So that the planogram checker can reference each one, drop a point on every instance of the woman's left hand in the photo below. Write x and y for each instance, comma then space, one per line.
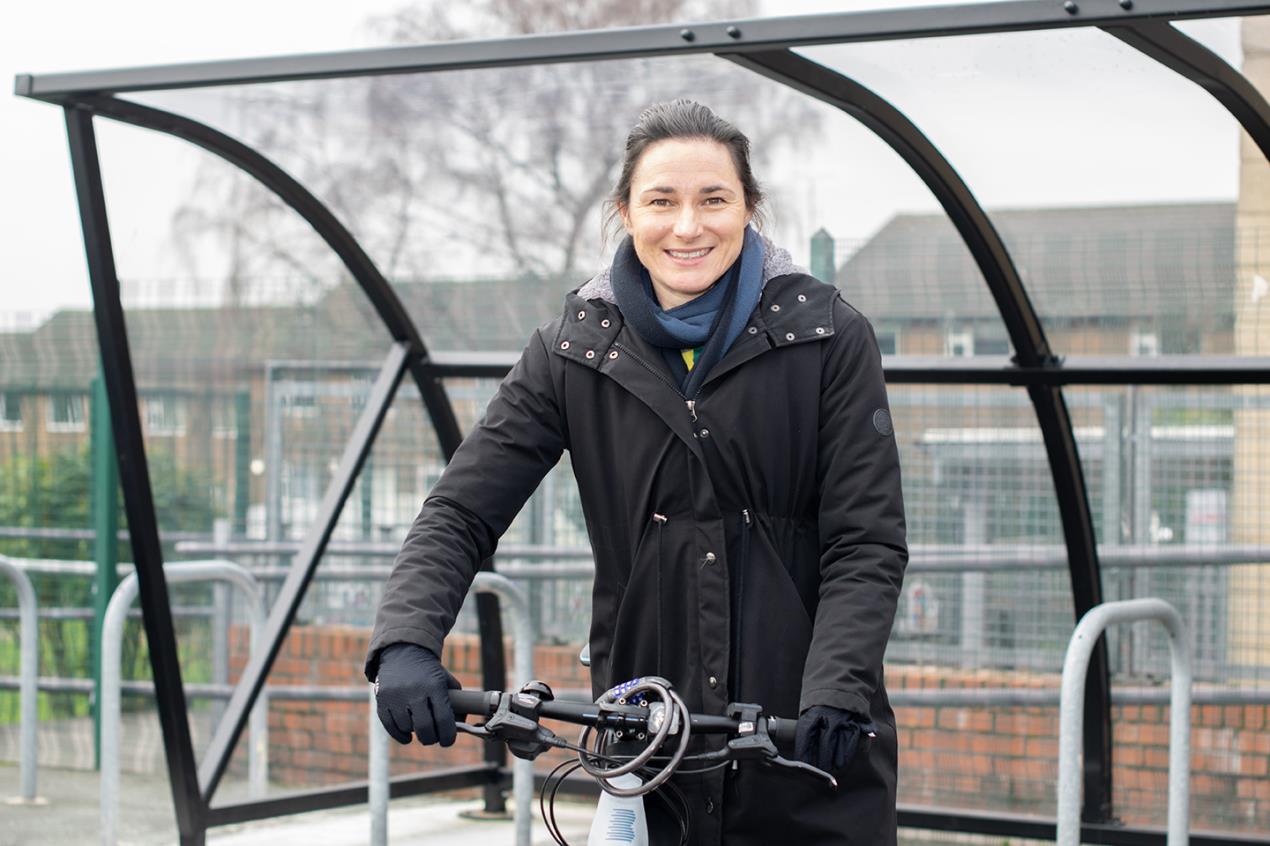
828, 738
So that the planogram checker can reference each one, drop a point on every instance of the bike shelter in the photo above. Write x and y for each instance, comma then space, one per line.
780, 50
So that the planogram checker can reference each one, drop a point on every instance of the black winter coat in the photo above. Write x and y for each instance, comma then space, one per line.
749, 542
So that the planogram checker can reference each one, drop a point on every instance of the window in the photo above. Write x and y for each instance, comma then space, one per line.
888, 341
960, 344
991, 346
1144, 343
224, 418
10, 411
66, 413
164, 416
299, 405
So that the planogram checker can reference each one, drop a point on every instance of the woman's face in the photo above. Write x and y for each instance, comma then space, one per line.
687, 215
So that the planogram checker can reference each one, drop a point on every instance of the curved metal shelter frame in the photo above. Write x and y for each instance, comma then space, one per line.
764, 46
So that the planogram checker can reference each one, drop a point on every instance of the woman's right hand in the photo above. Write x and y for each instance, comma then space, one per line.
412, 694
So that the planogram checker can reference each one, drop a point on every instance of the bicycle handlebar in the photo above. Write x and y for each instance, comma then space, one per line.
481, 703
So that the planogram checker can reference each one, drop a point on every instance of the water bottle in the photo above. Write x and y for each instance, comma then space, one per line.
619, 820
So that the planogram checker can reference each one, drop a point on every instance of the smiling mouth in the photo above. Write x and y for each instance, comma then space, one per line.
688, 255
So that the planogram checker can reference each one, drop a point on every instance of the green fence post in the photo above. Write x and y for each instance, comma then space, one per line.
822, 256
242, 461
105, 506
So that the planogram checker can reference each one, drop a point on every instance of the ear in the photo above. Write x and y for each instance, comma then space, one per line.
624, 212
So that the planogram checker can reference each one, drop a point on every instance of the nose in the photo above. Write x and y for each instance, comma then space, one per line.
688, 223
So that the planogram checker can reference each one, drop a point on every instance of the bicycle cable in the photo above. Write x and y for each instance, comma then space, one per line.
674, 713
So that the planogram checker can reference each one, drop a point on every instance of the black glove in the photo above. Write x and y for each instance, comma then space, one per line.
827, 737
412, 693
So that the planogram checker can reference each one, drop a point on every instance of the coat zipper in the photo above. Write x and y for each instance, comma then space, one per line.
691, 403
737, 628
649, 367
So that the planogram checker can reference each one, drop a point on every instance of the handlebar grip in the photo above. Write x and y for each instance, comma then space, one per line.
471, 702
782, 730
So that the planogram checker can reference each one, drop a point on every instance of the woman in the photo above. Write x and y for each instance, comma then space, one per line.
728, 426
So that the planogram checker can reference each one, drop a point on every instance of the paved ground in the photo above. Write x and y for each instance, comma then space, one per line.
146, 819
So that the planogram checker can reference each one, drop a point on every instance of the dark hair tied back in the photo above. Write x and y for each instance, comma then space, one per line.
683, 118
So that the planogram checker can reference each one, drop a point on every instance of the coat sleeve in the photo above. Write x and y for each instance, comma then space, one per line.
863, 551
496, 468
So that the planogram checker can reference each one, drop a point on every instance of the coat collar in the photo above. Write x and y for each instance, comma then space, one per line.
795, 308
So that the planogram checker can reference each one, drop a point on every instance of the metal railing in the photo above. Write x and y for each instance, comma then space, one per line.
112, 673
515, 605
1072, 718
28, 667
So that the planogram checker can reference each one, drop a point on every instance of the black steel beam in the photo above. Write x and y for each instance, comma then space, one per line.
1036, 828
301, 572
1183, 54
473, 365
1032, 352
967, 216
980, 370
134, 477
493, 677
1085, 572
343, 795
633, 42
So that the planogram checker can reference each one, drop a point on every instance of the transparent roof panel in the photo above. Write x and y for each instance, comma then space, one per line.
481, 193
1119, 187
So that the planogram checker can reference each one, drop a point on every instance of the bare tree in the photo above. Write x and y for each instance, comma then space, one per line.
480, 172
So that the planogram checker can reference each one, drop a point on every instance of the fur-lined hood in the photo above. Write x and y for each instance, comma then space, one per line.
776, 262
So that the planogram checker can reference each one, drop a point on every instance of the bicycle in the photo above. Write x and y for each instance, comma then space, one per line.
645, 710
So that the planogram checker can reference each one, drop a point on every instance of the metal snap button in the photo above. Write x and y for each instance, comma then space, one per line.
789, 336
564, 345
712, 681
710, 558
709, 805
705, 433
820, 330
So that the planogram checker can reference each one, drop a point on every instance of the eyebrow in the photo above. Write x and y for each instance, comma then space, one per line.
709, 189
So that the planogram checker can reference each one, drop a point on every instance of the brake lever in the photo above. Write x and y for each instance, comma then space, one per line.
802, 768
476, 731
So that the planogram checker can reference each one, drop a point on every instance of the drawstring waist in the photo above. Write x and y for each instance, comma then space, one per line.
739, 574
660, 520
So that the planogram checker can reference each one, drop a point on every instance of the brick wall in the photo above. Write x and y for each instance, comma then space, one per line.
990, 758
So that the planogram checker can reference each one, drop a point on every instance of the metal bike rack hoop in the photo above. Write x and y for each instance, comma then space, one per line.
516, 606
112, 677
1071, 716
28, 668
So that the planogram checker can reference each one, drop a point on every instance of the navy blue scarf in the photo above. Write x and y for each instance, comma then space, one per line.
712, 321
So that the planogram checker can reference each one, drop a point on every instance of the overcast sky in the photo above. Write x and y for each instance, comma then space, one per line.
1066, 119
